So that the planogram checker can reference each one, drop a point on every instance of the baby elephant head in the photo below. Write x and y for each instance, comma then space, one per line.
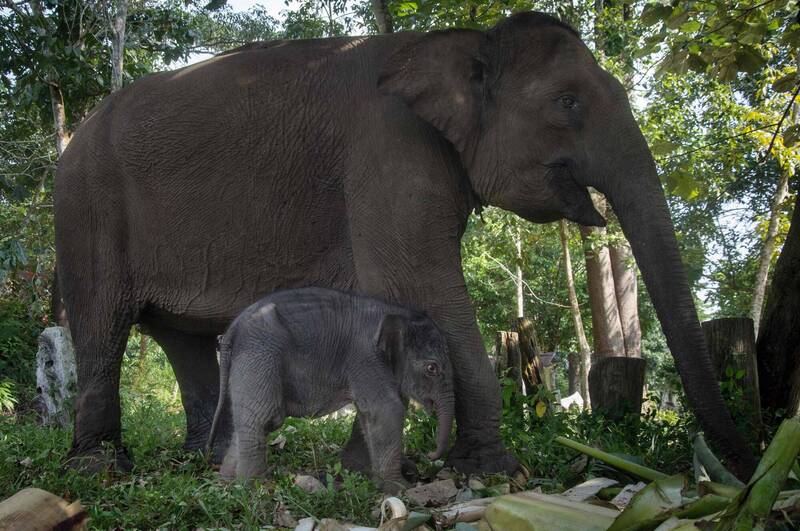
418, 353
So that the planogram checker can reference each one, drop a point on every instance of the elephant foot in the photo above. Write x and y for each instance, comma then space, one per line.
197, 433
355, 458
474, 456
393, 486
99, 460
409, 470
198, 442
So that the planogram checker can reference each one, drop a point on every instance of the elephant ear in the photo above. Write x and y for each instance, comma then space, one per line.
391, 336
440, 77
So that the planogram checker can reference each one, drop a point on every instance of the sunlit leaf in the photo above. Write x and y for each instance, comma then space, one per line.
213, 5
678, 18
691, 26
791, 135
749, 60
786, 83
655, 13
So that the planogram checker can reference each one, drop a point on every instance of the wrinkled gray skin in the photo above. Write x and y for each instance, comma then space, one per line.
308, 352
349, 163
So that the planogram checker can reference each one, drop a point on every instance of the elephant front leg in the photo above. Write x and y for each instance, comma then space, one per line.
382, 426
478, 447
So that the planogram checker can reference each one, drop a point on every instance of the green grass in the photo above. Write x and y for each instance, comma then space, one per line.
174, 489
170, 488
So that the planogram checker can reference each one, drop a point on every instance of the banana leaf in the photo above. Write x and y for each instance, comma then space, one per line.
541, 512
755, 501
617, 462
657, 498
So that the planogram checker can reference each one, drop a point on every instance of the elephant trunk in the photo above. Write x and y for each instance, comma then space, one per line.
445, 411
638, 200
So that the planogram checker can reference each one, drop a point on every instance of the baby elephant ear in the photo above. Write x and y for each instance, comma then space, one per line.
440, 78
391, 333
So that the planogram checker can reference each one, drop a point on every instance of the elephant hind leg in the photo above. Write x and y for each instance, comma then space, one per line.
194, 360
256, 399
100, 323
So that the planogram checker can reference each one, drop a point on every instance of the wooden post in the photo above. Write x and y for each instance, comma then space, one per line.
616, 384
731, 343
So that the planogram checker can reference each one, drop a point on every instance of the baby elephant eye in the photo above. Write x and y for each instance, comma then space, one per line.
432, 369
568, 102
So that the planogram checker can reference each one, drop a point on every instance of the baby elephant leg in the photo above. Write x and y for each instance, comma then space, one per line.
257, 405
228, 467
382, 425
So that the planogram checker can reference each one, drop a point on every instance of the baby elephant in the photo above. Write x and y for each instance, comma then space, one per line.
309, 351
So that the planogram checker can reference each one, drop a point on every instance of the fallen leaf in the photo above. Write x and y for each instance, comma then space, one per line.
433, 494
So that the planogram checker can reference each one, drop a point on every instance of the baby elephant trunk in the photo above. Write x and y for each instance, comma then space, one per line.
445, 411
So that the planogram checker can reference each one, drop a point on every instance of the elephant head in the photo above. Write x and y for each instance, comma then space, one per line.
418, 355
536, 121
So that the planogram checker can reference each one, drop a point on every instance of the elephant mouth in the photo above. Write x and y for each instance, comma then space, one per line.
564, 197
576, 201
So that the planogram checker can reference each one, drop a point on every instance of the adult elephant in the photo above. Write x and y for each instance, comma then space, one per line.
349, 163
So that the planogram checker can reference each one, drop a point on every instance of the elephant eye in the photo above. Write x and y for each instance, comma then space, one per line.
432, 369
568, 102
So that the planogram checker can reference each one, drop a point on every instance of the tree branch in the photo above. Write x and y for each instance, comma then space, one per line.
780, 123
15, 8
524, 283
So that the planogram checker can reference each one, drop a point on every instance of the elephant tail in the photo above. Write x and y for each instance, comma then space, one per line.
224, 347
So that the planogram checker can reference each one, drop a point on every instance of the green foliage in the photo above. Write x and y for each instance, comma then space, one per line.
658, 439
490, 259
170, 488
19, 330
7, 398
173, 489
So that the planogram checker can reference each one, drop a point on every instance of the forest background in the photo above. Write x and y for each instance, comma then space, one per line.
713, 85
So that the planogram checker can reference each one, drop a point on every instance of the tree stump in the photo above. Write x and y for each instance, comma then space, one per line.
731, 344
56, 376
509, 360
616, 385
530, 354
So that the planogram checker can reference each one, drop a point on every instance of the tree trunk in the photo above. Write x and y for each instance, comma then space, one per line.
142, 362
56, 377
606, 324
530, 354
616, 385
58, 312
585, 353
768, 249
779, 341
509, 360
623, 269
382, 17
62, 135
118, 43
731, 344
573, 372
518, 281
